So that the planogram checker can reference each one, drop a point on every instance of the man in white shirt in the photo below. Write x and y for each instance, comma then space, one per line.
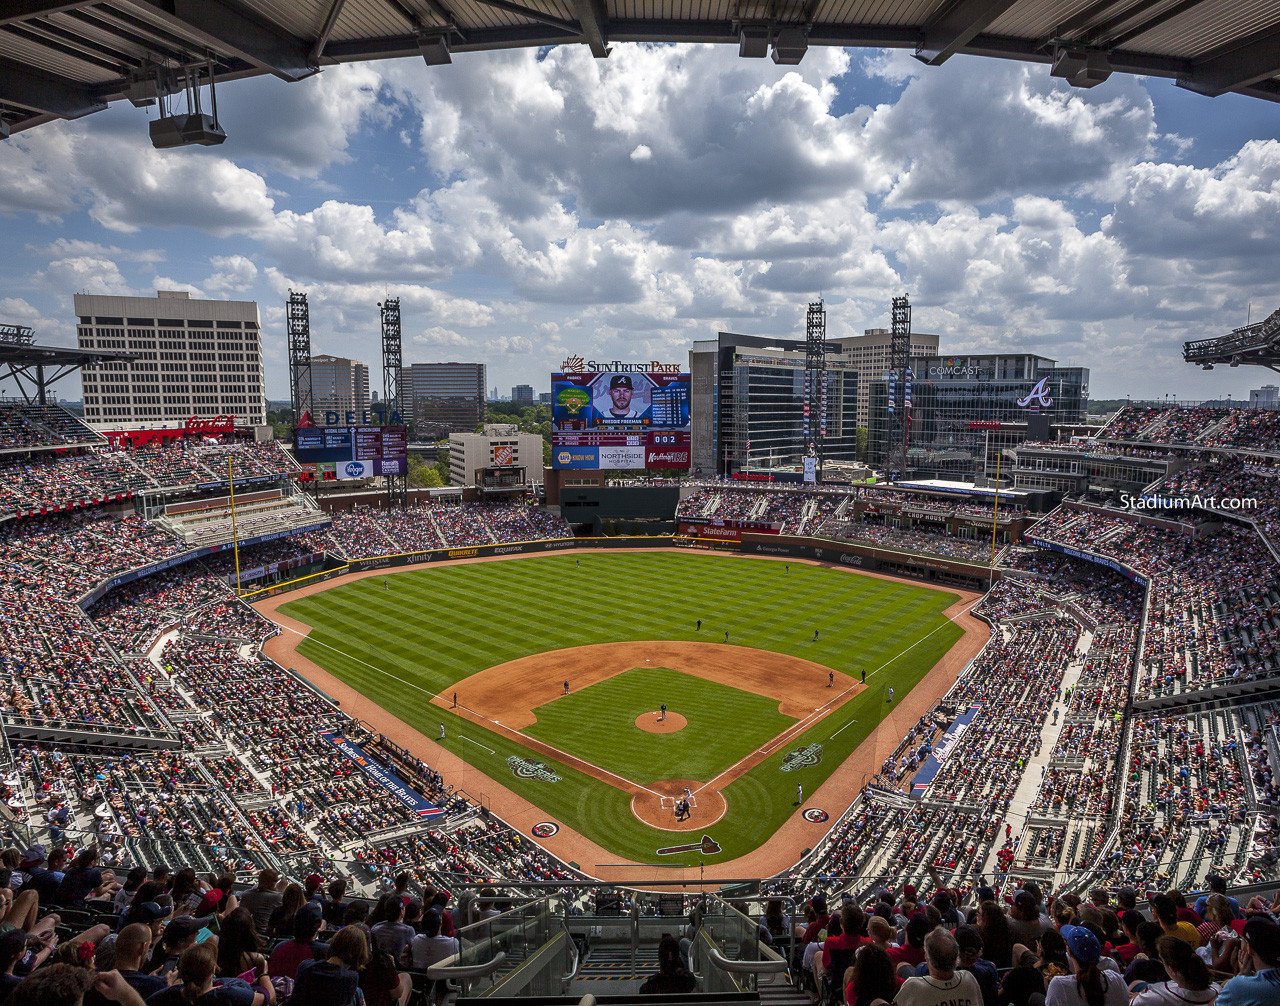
943, 985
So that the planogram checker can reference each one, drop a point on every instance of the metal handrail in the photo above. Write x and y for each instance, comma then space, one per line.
468, 971
745, 967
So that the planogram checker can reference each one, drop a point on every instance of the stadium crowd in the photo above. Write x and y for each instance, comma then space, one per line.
366, 531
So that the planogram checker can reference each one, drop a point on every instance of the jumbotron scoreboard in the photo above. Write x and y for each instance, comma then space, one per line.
625, 416
352, 452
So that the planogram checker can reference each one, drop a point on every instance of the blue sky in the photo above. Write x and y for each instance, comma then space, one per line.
527, 205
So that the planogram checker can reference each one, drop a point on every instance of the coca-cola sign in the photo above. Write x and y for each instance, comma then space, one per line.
209, 427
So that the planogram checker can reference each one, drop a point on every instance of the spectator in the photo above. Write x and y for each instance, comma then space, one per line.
392, 934
335, 980
240, 948
943, 985
912, 952
672, 976
1022, 981
1089, 985
970, 943
303, 946
1146, 966
1262, 988
132, 946
201, 986
1189, 980
280, 923
263, 899
1166, 912
334, 907
997, 938
1216, 885
871, 978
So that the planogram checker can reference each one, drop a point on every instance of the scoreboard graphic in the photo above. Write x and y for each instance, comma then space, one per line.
615, 419
352, 452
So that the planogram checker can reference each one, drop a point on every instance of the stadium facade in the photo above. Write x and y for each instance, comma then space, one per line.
966, 409
748, 404
869, 353
198, 358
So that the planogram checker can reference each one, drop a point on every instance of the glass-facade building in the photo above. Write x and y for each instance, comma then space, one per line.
966, 409
748, 405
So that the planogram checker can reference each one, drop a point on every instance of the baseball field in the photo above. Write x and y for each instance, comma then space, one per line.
764, 701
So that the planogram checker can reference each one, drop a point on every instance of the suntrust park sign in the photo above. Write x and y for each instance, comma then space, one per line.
577, 365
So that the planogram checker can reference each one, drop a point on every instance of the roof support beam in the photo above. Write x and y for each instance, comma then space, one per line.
534, 15
216, 25
25, 10
1155, 21
330, 19
591, 16
955, 26
1251, 61
39, 91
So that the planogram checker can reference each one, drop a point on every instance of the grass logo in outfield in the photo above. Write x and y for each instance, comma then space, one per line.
708, 847
526, 769
803, 757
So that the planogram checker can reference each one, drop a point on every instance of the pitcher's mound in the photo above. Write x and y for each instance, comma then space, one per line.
650, 724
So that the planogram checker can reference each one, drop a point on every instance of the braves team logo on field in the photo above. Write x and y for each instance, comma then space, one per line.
802, 758
815, 815
544, 829
1038, 394
526, 769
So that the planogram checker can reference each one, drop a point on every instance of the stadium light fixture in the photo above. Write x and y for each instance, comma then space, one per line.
790, 45
1080, 67
753, 41
193, 127
434, 47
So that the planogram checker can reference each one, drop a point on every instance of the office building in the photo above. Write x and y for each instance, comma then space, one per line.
198, 358
748, 404
501, 445
445, 397
1266, 397
338, 385
522, 394
967, 409
869, 354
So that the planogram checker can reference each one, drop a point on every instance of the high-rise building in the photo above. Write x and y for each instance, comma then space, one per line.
747, 405
522, 394
869, 354
338, 385
448, 397
1266, 397
195, 358
966, 410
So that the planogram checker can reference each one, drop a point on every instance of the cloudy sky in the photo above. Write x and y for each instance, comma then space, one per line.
526, 205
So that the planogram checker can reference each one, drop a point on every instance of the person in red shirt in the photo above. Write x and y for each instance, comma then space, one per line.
819, 906
912, 952
288, 955
853, 927
1129, 922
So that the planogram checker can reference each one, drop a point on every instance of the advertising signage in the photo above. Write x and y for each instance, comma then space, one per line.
352, 452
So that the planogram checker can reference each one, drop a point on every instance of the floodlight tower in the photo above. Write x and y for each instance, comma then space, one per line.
299, 327
900, 406
815, 383
392, 362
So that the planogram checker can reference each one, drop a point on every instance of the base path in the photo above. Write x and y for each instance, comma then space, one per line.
779, 853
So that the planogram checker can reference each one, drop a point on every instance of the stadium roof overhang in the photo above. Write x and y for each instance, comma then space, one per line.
34, 368
62, 59
1257, 345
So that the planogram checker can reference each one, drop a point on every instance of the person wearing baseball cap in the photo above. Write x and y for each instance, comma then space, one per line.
1262, 948
1090, 985
621, 391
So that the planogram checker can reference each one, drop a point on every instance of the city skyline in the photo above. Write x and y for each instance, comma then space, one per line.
527, 205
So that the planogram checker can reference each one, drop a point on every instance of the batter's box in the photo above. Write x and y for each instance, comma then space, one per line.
669, 802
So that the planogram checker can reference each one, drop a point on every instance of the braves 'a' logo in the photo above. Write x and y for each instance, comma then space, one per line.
1039, 394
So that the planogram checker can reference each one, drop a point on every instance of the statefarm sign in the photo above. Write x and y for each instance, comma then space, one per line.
197, 427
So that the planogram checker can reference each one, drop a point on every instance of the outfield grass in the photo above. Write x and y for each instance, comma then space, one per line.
443, 623
598, 724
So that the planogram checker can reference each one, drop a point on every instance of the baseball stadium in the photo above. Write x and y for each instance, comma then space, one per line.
990, 713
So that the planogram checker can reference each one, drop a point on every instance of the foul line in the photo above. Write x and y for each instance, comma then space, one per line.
574, 760
477, 743
812, 719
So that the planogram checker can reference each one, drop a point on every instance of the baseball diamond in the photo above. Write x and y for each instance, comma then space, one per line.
772, 708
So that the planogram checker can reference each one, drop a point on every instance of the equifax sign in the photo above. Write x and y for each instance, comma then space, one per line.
209, 427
